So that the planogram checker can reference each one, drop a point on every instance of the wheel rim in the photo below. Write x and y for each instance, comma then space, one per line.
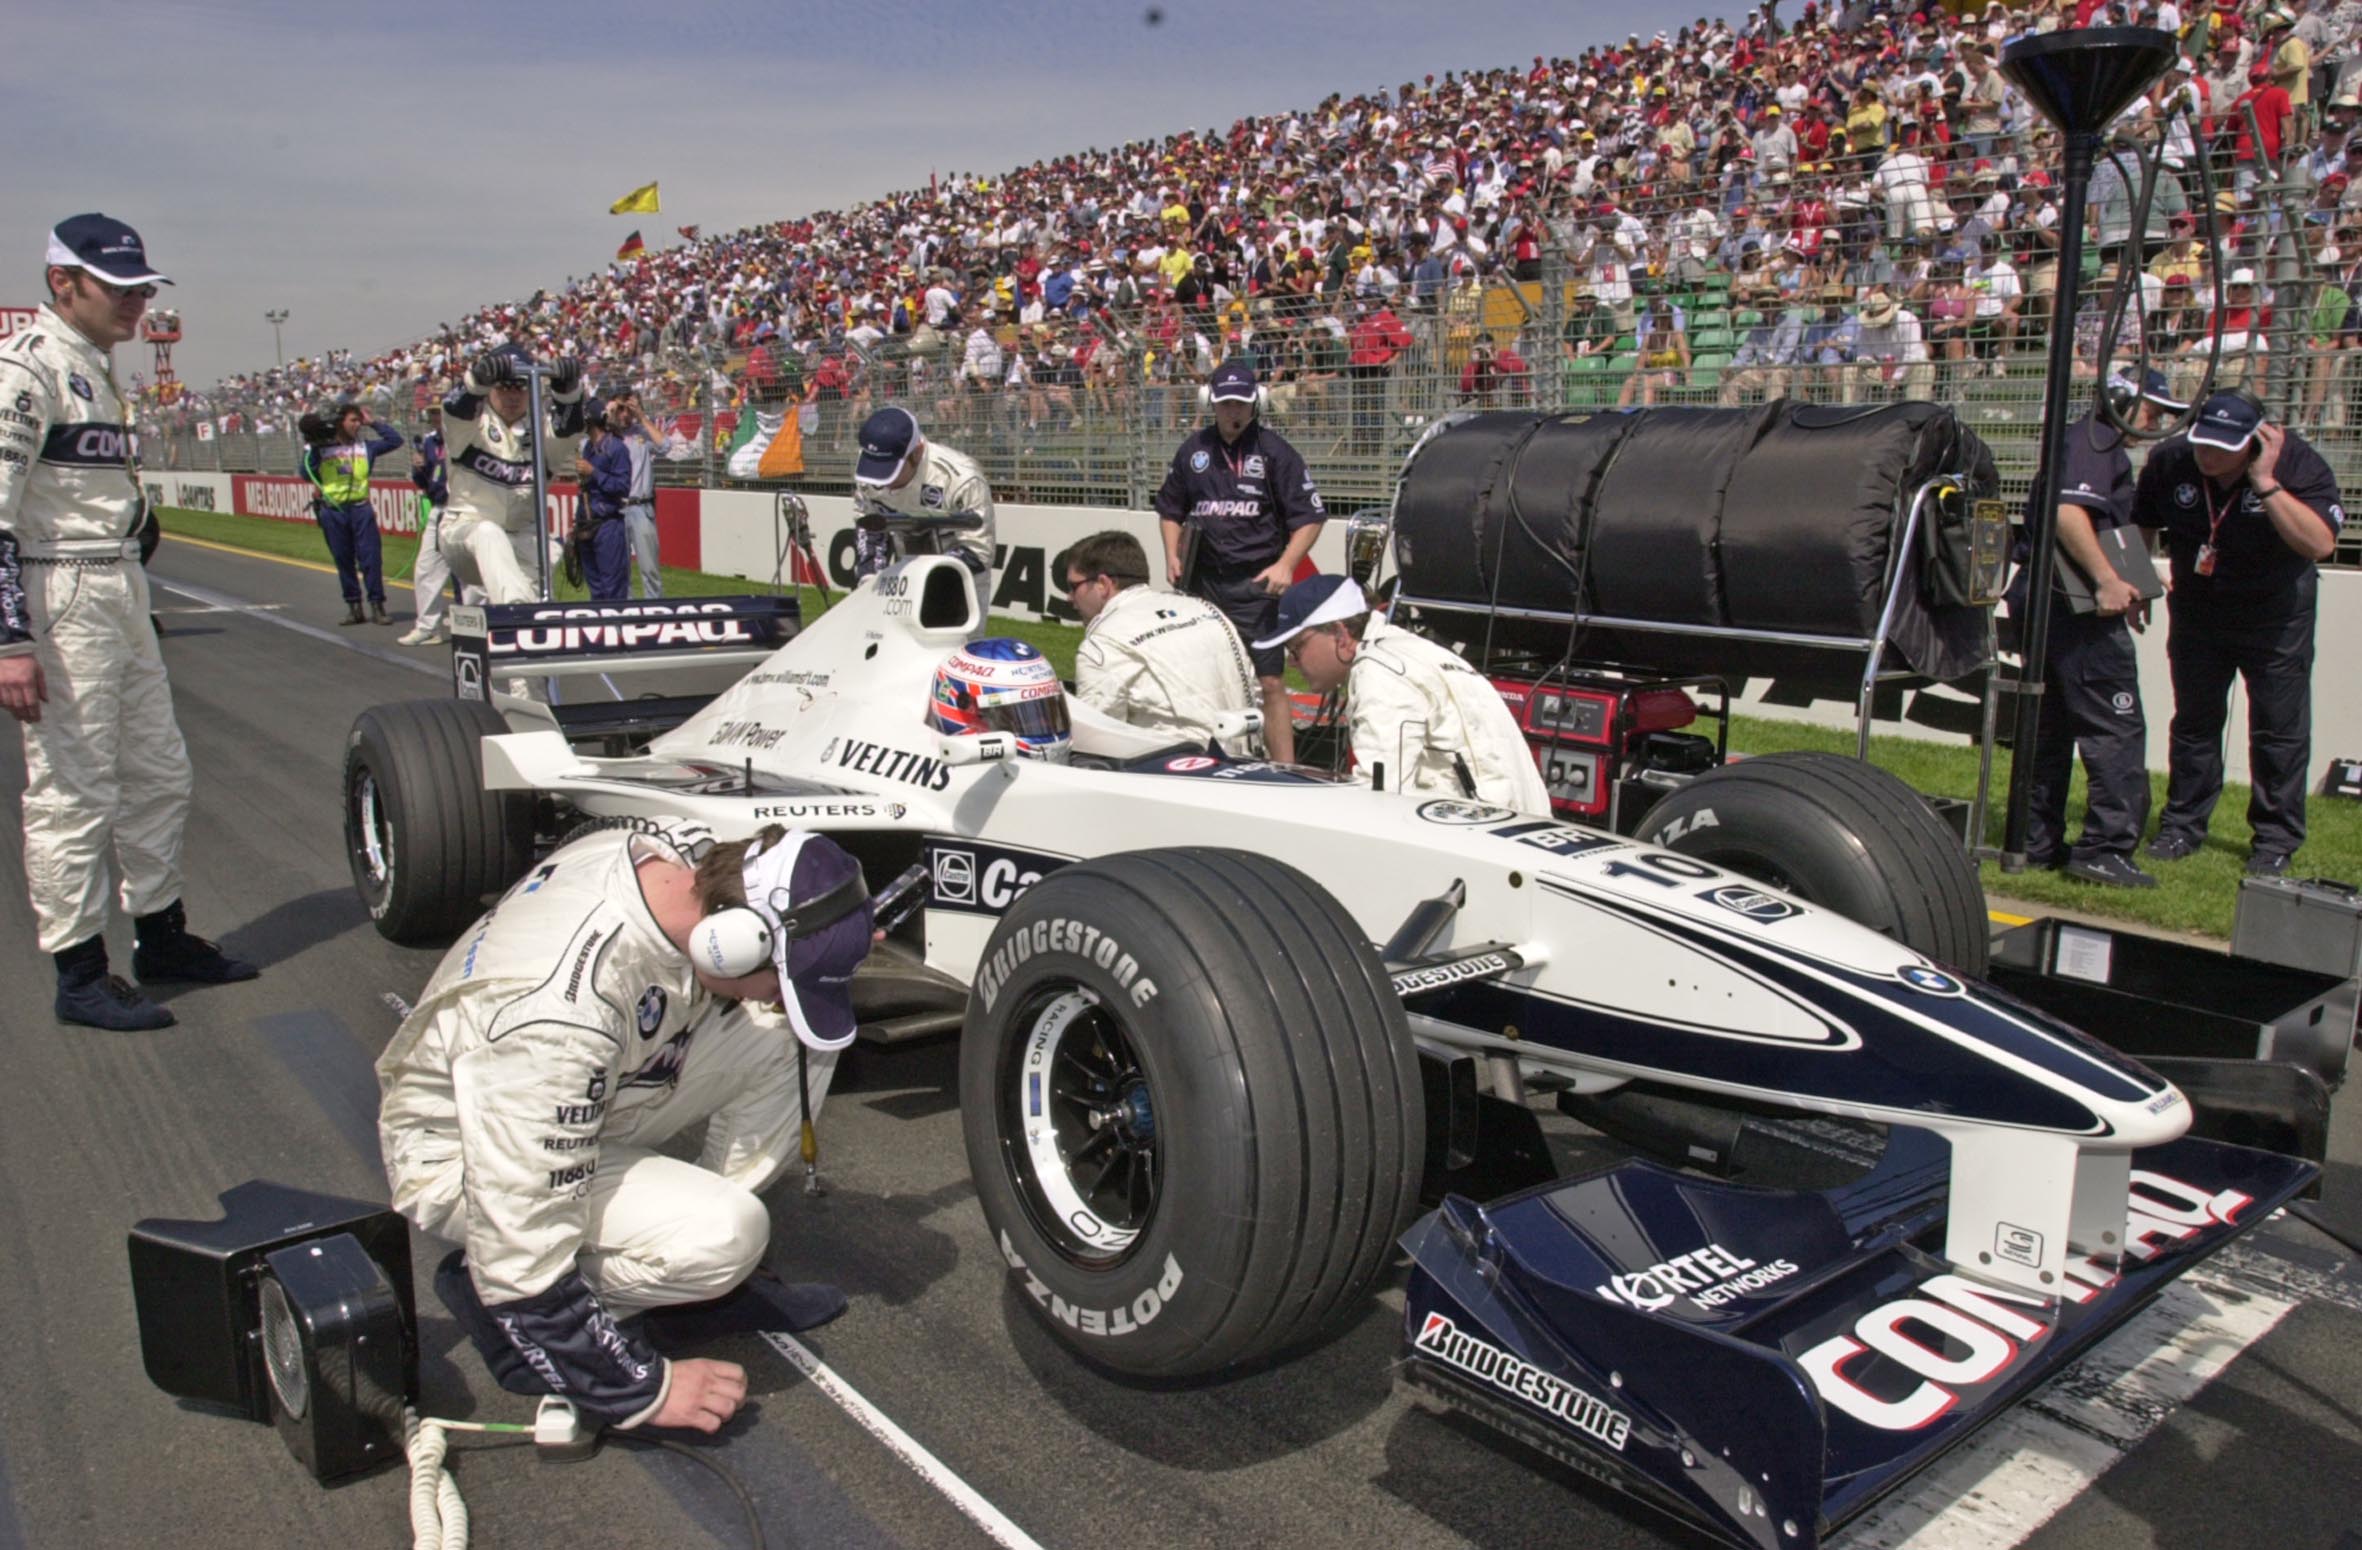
1079, 1127
372, 836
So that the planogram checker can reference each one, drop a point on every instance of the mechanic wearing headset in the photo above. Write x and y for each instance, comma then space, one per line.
2092, 695
1422, 720
2249, 512
594, 1013
488, 529
106, 774
1159, 660
1257, 512
901, 473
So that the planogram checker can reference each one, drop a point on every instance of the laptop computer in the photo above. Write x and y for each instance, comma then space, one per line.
2127, 550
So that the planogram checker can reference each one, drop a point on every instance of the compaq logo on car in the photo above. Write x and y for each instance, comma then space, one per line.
1984, 1322
1446, 1342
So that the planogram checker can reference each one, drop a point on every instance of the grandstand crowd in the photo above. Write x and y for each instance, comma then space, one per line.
1844, 202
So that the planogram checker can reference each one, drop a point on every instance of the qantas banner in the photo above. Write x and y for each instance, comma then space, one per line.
15, 320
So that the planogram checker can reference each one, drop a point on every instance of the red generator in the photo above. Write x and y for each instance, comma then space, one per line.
1609, 741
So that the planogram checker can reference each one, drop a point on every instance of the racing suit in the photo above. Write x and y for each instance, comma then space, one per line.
430, 580
487, 530
556, 1048
1432, 720
948, 483
106, 773
1165, 661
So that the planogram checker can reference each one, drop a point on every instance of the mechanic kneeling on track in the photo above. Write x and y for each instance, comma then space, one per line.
1431, 723
593, 1013
488, 529
1160, 660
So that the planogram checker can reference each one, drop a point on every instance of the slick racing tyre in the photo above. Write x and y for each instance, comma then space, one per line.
1839, 833
1192, 1106
426, 841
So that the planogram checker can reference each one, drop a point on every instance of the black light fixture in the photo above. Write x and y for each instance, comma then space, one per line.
2080, 79
294, 1309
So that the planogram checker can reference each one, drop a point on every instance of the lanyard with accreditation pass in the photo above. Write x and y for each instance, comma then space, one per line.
2214, 525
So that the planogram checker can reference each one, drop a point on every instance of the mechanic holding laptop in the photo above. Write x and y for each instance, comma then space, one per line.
1422, 720
593, 1015
1245, 494
1159, 660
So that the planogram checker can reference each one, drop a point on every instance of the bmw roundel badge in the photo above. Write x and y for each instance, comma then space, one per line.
1927, 981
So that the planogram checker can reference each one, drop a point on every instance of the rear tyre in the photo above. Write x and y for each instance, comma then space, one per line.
1192, 1106
1839, 833
426, 841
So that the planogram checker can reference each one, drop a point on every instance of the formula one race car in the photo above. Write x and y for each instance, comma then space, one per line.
1217, 1014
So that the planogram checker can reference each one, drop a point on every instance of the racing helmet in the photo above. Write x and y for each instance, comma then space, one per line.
1002, 685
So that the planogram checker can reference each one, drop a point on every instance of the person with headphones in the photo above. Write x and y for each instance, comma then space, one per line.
599, 1009
1250, 502
2092, 689
2250, 511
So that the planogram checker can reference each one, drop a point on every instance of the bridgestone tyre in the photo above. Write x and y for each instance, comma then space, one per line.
1839, 833
426, 841
1260, 1125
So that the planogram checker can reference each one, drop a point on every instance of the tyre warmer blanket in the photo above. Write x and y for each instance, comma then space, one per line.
1766, 1364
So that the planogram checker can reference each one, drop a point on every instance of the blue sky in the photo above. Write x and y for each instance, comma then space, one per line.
375, 170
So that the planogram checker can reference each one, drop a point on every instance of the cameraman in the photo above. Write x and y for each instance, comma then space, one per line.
490, 528
337, 465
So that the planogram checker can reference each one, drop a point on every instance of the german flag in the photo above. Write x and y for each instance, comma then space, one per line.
632, 247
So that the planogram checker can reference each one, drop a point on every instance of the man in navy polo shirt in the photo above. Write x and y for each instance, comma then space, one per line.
1256, 512
2249, 512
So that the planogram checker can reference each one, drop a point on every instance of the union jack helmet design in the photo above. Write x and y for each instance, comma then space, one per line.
1002, 685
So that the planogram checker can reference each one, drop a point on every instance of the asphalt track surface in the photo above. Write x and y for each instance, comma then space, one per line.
273, 1079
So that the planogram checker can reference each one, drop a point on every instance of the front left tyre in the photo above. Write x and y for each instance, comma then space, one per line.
1192, 1106
427, 843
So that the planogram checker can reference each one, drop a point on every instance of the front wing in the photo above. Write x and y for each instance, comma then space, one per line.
1766, 1364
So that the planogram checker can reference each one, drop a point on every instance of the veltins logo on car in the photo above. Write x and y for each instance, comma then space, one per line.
1466, 814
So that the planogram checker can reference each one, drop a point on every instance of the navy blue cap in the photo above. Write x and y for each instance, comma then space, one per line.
886, 439
801, 872
1233, 382
1313, 601
2226, 422
104, 246
2151, 386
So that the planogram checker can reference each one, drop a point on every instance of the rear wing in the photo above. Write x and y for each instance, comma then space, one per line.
1766, 1364
675, 653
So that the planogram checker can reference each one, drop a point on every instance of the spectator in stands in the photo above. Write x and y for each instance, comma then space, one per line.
1829, 342
1761, 365
1378, 338
1993, 322
1496, 376
1890, 353
1664, 356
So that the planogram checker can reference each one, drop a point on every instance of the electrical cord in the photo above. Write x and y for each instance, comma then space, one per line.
2130, 291
746, 1501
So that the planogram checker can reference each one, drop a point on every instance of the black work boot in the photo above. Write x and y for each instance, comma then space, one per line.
87, 994
759, 1303
163, 948
377, 613
352, 615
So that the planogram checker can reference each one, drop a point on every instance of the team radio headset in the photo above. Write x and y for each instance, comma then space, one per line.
741, 939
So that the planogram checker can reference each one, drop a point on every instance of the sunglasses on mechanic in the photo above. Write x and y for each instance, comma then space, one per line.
146, 292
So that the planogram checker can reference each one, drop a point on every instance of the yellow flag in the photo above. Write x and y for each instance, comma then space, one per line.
640, 201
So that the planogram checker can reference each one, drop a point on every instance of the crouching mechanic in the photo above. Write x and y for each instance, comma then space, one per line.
901, 473
1430, 722
489, 528
593, 1014
1165, 661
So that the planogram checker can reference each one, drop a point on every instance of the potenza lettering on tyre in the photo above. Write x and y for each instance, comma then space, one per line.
1129, 1319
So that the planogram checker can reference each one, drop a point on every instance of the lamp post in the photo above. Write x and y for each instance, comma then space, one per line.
277, 316
2079, 79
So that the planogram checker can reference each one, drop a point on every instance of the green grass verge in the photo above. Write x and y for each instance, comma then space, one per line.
2194, 895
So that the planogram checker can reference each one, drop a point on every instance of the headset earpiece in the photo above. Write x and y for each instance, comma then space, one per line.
731, 944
